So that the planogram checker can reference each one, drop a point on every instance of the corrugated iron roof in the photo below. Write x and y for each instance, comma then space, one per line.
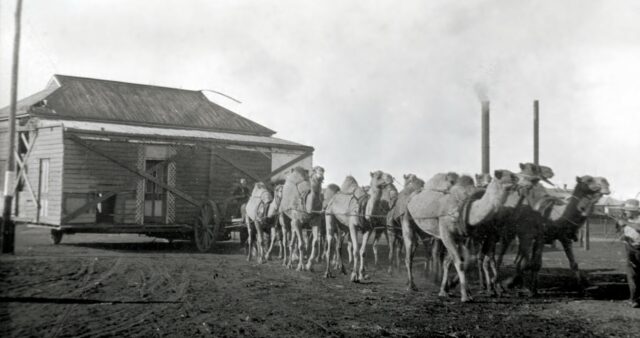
86, 99
107, 129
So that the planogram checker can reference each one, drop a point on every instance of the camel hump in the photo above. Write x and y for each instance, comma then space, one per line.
349, 185
442, 182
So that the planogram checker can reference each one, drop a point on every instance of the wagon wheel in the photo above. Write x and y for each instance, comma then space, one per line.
56, 236
206, 227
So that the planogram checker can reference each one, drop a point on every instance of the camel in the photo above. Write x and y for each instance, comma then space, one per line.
544, 219
347, 209
412, 185
383, 195
273, 219
438, 214
301, 202
255, 215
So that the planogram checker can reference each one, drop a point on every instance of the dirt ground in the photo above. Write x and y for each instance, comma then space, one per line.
127, 285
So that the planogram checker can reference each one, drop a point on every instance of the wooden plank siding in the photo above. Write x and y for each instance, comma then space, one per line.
87, 173
192, 177
48, 145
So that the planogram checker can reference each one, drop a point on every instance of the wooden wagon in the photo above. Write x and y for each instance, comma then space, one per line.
97, 156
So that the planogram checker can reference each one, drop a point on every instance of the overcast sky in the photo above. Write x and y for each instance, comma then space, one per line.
390, 85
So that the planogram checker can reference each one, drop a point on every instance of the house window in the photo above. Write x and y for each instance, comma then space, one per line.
43, 187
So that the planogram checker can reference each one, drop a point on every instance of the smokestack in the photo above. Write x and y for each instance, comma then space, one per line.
485, 137
536, 130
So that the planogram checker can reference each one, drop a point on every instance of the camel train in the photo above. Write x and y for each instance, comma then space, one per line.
454, 216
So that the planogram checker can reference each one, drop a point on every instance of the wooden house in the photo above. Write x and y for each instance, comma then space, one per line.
106, 156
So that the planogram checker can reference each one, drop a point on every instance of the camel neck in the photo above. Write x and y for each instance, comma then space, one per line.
488, 205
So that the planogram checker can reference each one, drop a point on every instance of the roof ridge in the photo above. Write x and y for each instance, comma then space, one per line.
58, 76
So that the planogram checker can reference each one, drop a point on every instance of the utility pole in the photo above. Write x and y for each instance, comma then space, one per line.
8, 227
536, 132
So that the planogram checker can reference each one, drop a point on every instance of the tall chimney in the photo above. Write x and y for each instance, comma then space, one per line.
485, 137
536, 130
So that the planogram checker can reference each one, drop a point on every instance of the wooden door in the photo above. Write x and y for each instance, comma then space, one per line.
155, 197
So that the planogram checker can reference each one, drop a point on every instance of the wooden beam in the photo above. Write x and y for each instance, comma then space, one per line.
88, 206
286, 165
235, 165
174, 190
22, 173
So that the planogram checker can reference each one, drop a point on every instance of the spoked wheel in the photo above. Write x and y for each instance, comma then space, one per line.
56, 236
206, 227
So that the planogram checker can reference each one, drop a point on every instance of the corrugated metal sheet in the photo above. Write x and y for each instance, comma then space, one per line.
132, 131
110, 101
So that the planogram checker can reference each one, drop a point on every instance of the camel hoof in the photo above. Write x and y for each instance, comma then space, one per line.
328, 275
467, 299
299, 267
354, 277
364, 277
443, 294
308, 267
412, 287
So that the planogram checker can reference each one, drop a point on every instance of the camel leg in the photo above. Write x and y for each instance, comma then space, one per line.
280, 240
363, 249
292, 245
444, 286
458, 261
306, 239
505, 241
314, 242
536, 264
398, 252
374, 246
329, 231
524, 248
489, 251
339, 239
272, 241
354, 251
568, 250
260, 241
285, 226
249, 240
391, 241
297, 233
439, 255
350, 248
408, 236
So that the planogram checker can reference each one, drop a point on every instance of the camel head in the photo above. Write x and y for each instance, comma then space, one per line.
483, 180
328, 193
414, 183
588, 191
451, 178
506, 179
408, 178
604, 185
388, 178
277, 192
317, 174
277, 198
546, 172
379, 181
